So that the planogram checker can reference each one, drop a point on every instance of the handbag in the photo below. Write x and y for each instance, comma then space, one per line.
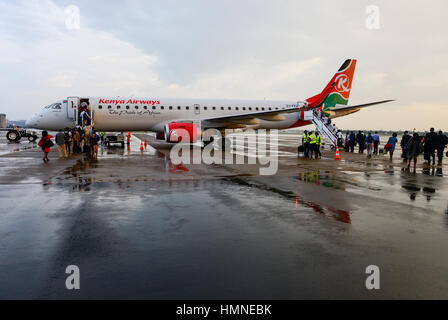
387, 147
49, 143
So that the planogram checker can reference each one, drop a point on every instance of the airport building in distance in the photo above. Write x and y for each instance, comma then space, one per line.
2, 120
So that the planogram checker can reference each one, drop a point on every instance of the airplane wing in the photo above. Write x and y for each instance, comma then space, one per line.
359, 106
252, 118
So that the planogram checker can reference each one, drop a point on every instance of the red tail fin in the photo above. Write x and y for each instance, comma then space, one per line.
337, 91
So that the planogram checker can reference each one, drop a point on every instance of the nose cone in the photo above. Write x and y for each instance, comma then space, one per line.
31, 122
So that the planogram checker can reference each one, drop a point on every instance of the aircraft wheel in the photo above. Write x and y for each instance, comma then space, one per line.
32, 138
13, 136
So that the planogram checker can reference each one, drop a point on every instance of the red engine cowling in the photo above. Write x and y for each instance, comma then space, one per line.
177, 132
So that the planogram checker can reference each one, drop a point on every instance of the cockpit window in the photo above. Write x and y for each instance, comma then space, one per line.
55, 105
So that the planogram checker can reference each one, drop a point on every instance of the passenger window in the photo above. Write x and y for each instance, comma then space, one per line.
145, 107
236, 108
187, 108
222, 108
136, 107
171, 108
118, 107
178, 107
257, 108
127, 107
262, 109
153, 107
250, 108
214, 108
244, 108
162, 107
108, 107
205, 108
230, 108
100, 107
270, 108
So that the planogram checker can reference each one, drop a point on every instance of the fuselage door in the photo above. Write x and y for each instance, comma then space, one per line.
72, 108
197, 109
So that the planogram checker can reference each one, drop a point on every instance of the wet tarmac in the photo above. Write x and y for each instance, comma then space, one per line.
139, 226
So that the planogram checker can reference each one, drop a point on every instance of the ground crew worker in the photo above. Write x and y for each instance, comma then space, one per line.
102, 137
318, 145
313, 142
305, 144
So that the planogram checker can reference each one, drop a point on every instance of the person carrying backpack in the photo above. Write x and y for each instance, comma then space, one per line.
60, 141
68, 140
45, 143
413, 149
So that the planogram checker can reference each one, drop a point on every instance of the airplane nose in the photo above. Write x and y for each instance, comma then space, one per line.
31, 122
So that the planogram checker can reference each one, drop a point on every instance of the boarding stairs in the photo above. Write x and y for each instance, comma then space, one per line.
325, 130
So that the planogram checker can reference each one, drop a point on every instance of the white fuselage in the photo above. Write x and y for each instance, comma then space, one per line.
148, 114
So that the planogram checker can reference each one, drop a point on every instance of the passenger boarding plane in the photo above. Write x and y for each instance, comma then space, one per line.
163, 116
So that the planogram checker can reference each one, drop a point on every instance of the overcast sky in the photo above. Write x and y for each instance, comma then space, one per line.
249, 49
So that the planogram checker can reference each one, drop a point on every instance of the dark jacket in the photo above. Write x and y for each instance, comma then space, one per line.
414, 148
440, 141
60, 138
360, 138
404, 140
430, 140
352, 138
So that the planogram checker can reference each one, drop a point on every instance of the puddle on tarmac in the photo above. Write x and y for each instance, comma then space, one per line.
337, 214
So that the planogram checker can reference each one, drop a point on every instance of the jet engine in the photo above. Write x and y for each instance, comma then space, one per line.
181, 132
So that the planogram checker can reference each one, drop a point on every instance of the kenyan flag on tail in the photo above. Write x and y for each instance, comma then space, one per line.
337, 91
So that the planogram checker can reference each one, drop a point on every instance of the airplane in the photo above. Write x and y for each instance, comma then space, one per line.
165, 116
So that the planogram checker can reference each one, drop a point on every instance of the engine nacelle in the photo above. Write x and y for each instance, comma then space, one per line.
181, 132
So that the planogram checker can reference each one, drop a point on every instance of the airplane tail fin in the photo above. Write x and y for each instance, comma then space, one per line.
337, 91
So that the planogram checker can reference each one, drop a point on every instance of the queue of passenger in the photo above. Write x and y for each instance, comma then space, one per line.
72, 141
430, 145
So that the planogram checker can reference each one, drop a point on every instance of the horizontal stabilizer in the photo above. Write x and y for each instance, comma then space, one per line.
340, 107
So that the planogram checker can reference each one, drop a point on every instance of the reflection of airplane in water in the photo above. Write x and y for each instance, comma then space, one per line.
340, 215
322, 178
319, 178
